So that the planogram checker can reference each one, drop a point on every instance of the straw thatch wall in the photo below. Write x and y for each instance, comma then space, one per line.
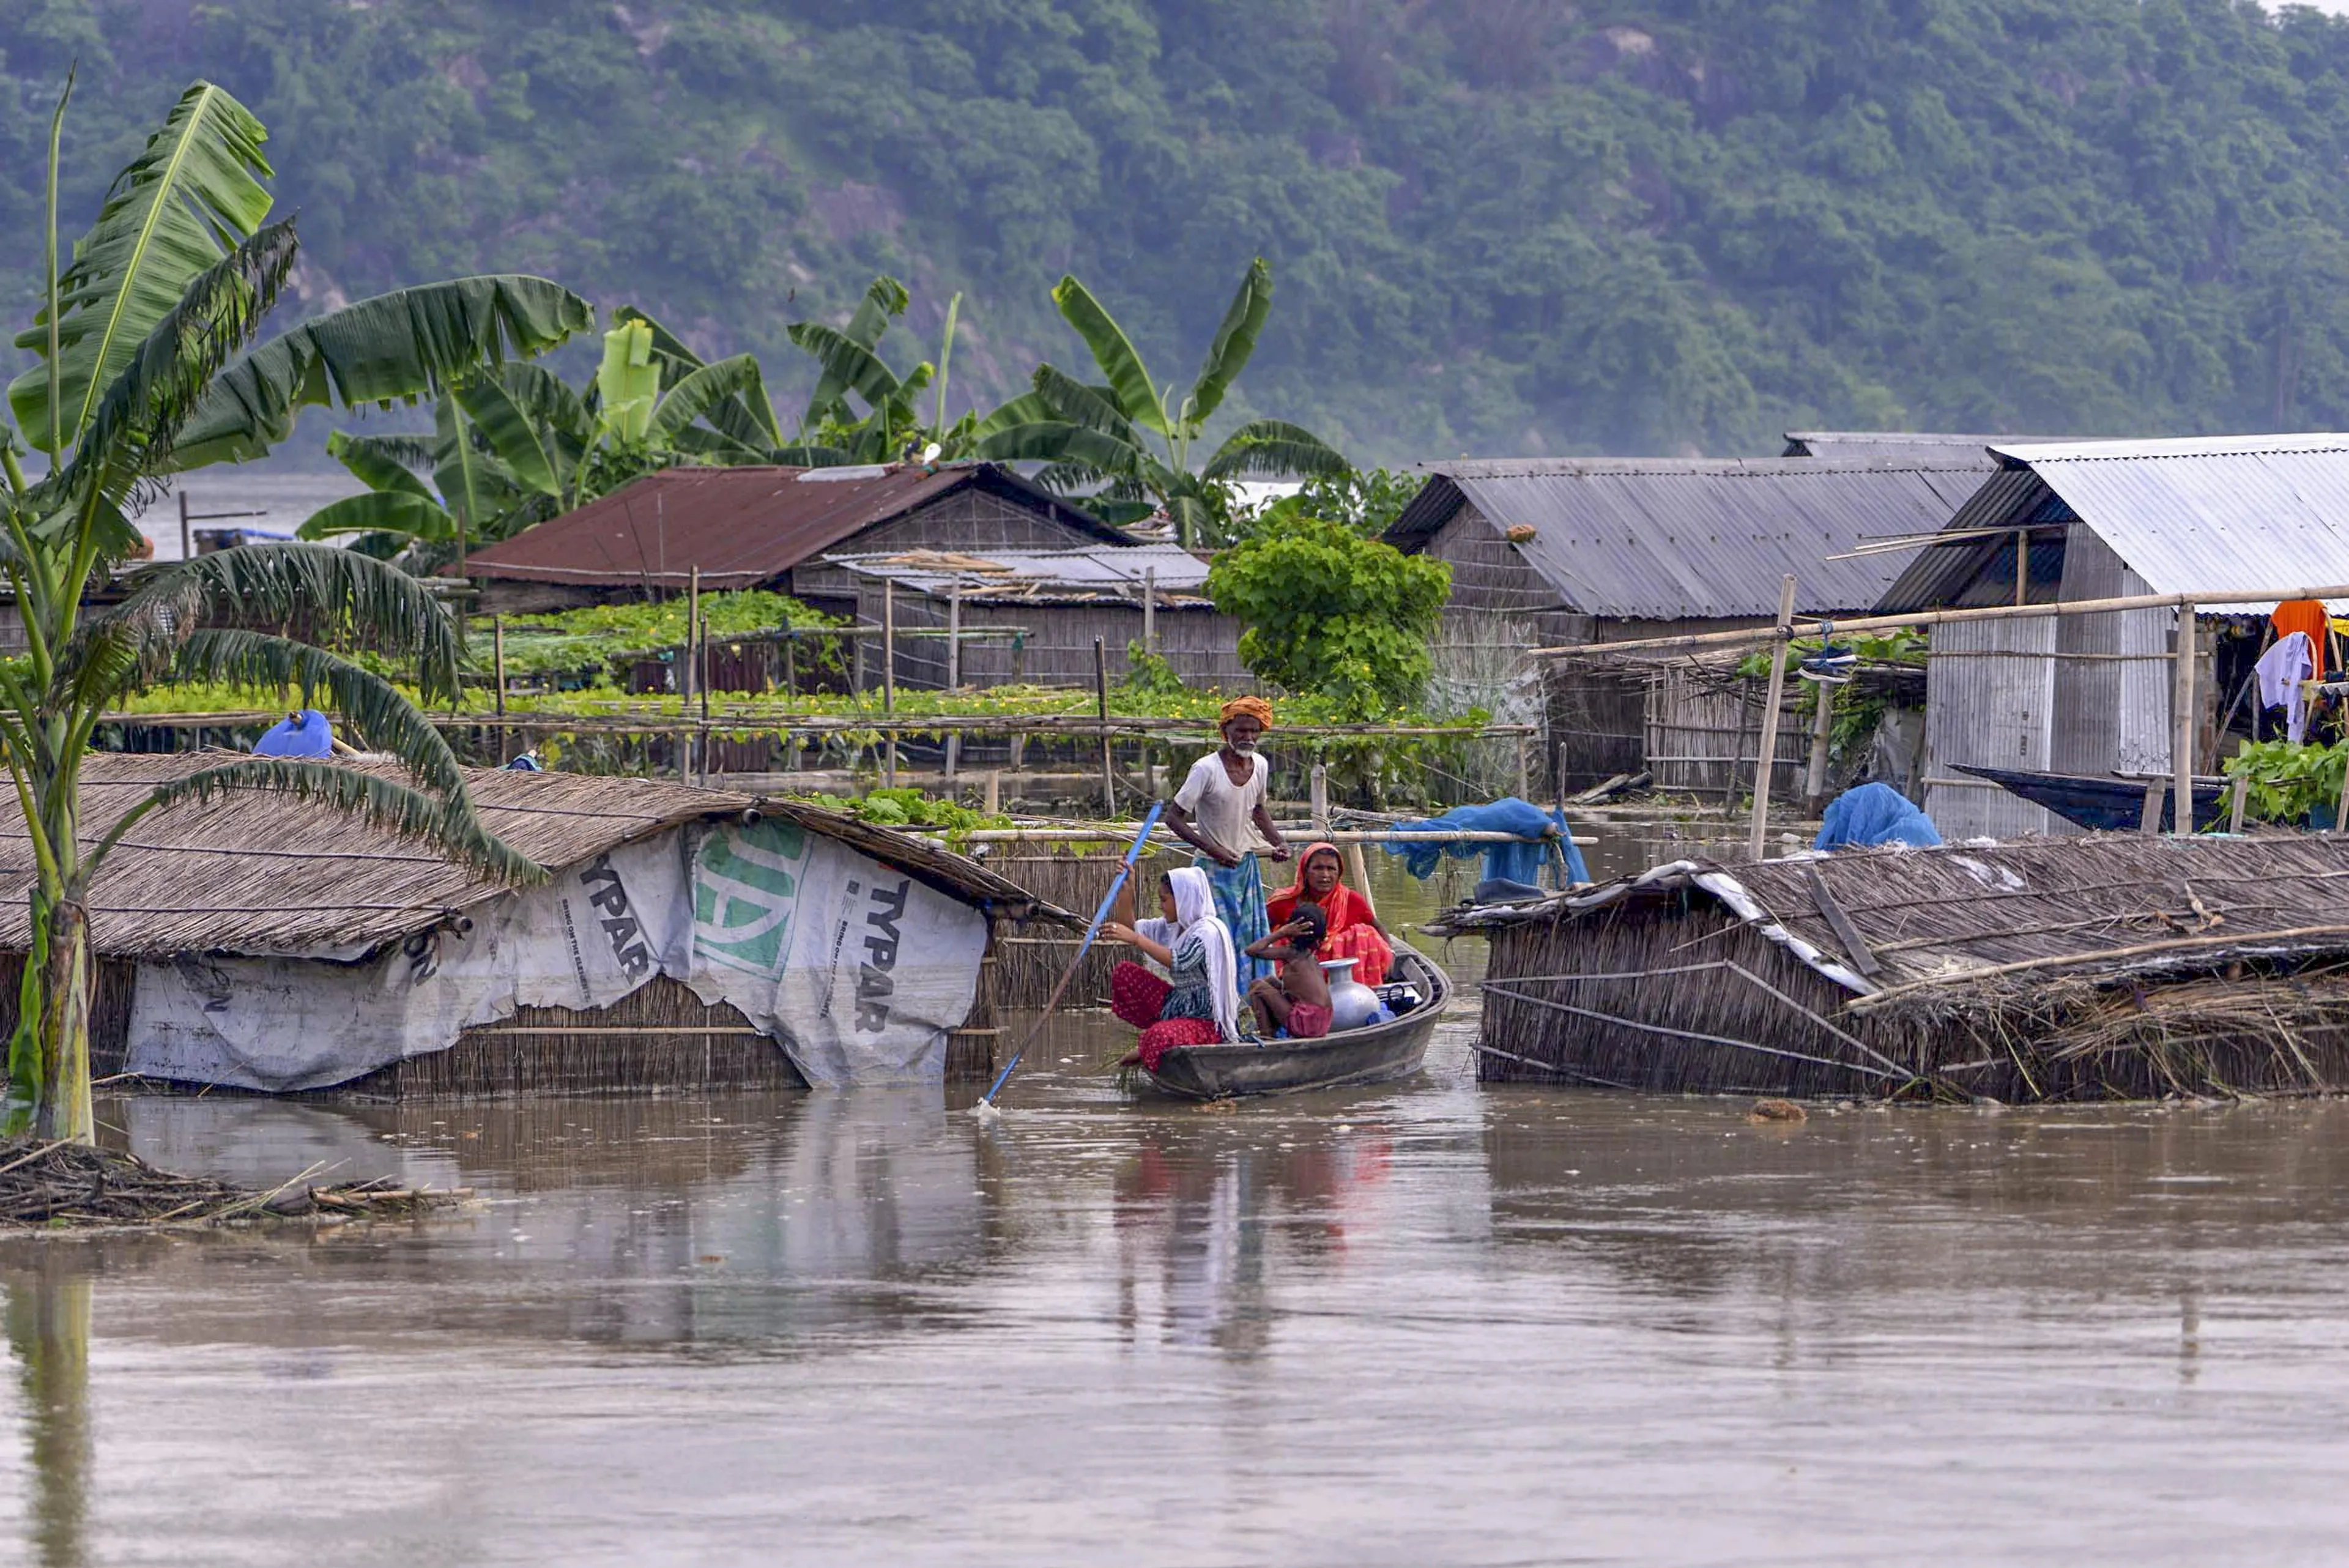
256, 874
2111, 966
1028, 962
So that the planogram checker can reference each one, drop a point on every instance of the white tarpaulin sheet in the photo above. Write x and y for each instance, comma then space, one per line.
856, 969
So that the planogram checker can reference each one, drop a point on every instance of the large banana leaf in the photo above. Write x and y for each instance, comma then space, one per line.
380, 512
1027, 409
138, 418
710, 389
1058, 440
193, 192
669, 350
511, 435
386, 463
852, 365
1136, 396
1227, 356
1072, 401
1275, 447
884, 300
628, 383
409, 343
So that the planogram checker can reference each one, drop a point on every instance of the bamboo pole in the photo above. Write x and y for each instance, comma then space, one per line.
498, 666
1150, 609
954, 676
1766, 763
692, 620
1320, 790
1101, 698
2182, 719
889, 676
1752, 636
2243, 798
1815, 776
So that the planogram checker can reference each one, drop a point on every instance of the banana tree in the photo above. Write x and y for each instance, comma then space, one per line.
145, 366
849, 361
1130, 441
515, 446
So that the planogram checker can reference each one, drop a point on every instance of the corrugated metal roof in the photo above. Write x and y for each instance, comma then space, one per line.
2202, 514
1656, 539
1938, 574
742, 526
1885, 445
1113, 569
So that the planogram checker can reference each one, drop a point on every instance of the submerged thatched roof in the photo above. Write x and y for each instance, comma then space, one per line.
257, 873
1938, 926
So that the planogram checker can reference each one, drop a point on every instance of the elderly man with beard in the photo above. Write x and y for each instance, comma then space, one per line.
1220, 812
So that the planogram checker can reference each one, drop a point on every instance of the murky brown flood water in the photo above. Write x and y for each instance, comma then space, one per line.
1427, 1325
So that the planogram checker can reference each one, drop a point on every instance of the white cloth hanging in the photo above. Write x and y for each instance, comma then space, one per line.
2283, 673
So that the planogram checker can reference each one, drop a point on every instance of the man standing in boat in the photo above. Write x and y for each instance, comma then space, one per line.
1220, 812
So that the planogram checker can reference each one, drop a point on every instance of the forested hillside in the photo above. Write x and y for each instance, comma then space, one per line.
1498, 226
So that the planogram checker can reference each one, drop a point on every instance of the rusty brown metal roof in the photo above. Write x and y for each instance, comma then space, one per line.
743, 526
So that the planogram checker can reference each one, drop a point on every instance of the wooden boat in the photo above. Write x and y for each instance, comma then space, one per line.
2107, 805
1372, 1055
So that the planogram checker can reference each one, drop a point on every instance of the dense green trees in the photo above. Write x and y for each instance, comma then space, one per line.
1507, 226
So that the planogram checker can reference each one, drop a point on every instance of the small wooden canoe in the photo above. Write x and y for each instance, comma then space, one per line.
2102, 805
1367, 1056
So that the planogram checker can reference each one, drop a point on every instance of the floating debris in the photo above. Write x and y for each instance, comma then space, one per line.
61, 1185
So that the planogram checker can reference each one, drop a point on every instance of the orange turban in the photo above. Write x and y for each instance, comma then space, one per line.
1255, 708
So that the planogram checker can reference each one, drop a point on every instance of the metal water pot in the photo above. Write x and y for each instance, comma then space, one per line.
1351, 1002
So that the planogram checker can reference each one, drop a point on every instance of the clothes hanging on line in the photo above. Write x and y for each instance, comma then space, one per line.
2307, 616
2281, 670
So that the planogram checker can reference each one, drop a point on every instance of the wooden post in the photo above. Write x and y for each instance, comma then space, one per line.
1815, 777
2149, 822
2341, 806
1101, 710
1320, 795
2243, 798
187, 538
692, 621
1525, 767
1019, 658
1150, 609
498, 666
1557, 847
954, 676
994, 797
790, 665
1767, 761
2022, 566
1358, 871
2182, 715
888, 646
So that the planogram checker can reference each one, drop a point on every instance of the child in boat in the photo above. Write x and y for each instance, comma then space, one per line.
1297, 996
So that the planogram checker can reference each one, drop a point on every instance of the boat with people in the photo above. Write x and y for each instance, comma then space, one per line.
1374, 1053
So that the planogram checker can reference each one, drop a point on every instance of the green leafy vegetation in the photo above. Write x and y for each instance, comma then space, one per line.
1501, 227
2290, 784
1327, 613
590, 638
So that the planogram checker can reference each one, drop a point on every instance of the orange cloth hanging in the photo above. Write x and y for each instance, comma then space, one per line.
2308, 615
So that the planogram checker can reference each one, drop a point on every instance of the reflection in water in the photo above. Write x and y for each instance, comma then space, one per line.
48, 1336
1421, 1324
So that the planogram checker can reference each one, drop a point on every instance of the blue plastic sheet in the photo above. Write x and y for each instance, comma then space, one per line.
1875, 814
309, 735
1511, 862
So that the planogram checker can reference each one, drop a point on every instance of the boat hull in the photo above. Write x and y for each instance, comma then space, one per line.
1376, 1054
2099, 804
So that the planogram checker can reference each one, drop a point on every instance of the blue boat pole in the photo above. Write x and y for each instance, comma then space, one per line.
1132, 853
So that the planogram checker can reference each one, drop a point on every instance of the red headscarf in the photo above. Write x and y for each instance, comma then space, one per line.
1343, 906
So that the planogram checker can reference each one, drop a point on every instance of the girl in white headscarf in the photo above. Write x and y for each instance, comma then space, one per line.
1201, 1006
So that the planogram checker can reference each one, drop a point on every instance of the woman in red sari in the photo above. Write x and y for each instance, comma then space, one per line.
1354, 930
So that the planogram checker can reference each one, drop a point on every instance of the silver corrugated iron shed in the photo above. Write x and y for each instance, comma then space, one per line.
1676, 539
1107, 569
2199, 515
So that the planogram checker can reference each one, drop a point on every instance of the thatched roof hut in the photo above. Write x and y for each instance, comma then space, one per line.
684, 935
2110, 966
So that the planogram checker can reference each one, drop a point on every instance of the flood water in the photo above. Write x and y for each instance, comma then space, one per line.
1429, 1323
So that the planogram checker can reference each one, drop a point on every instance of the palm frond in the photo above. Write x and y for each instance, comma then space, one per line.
327, 593
385, 720
448, 824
